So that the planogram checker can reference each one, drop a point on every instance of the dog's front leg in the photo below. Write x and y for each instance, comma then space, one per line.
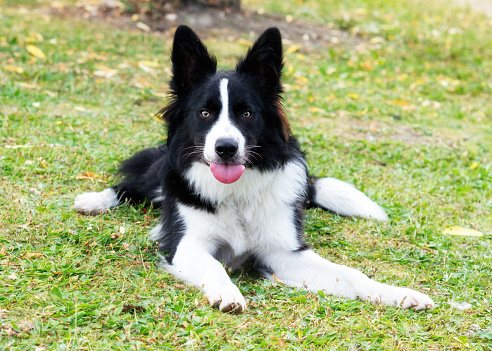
309, 270
194, 263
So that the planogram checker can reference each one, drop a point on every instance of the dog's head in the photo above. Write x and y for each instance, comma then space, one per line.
229, 120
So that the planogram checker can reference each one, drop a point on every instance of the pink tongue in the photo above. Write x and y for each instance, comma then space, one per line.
226, 173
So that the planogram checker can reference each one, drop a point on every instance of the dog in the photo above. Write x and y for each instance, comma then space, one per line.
232, 183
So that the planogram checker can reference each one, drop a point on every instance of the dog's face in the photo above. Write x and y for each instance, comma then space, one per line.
229, 120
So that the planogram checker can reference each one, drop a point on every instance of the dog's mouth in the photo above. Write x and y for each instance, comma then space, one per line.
227, 173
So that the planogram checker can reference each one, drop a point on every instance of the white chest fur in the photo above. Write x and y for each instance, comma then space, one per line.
255, 214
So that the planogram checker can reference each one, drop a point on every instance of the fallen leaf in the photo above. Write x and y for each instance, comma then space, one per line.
35, 51
144, 67
11, 68
474, 165
13, 276
354, 96
143, 26
27, 85
152, 64
366, 66
460, 231
399, 102
293, 48
33, 255
3, 251
244, 42
87, 175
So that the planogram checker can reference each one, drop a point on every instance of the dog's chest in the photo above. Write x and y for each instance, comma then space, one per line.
256, 213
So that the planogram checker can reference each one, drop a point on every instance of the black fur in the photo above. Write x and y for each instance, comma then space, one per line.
255, 84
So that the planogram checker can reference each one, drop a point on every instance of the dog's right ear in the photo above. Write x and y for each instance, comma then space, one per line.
191, 61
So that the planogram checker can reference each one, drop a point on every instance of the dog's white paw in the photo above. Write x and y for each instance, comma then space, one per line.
227, 298
399, 297
96, 202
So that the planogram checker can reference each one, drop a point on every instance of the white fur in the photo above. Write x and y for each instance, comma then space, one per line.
96, 202
223, 128
158, 195
255, 215
308, 270
155, 233
344, 199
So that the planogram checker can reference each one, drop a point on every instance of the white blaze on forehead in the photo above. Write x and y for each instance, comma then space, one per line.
223, 127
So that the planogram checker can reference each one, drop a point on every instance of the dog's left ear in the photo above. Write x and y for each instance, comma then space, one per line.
265, 60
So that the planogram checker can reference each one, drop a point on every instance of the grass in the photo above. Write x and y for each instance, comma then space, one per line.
405, 116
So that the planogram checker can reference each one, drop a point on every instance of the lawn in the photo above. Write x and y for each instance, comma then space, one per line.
403, 111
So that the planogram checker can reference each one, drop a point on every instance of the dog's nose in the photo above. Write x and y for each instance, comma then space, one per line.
226, 148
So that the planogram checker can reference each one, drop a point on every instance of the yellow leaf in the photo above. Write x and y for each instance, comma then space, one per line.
35, 51
460, 231
79, 108
399, 102
149, 63
311, 99
14, 69
300, 57
474, 165
244, 42
293, 48
330, 97
354, 96
316, 110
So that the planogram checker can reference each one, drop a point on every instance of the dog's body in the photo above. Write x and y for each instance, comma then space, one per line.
233, 184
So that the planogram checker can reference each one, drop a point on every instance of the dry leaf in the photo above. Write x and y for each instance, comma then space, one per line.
87, 175
354, 96
144, 67
143, 26
400, 103
27, 85
13, 276
33, 255
460, 231
244, 42
152, 64
14, 69
35, 51
293, 48
3, 250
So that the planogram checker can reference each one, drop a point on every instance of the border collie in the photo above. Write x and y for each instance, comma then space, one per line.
232, 183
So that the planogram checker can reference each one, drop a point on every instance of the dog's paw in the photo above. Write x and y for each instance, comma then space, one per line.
226, 298
95, 202
400, 297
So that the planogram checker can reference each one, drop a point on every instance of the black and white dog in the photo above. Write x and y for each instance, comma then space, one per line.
233, 184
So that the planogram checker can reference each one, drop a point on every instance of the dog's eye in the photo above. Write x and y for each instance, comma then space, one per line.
205, 113
246, 114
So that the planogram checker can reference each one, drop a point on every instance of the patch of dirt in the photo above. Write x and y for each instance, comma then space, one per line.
210, 22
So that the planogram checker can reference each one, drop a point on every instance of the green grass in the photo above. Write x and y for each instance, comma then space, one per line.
406, 117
